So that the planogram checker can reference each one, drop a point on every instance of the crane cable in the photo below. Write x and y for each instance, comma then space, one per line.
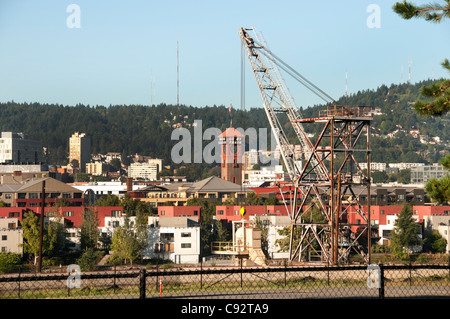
295, 74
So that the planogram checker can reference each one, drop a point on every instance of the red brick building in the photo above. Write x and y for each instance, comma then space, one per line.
178, 211
73, 216
230, 213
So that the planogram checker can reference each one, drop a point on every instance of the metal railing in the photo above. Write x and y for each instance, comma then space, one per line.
275, 282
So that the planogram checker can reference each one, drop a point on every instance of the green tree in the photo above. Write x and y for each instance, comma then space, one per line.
439, 92
9, 261
129, 242
439, 189
380, 177
405, 232
89, 229
31, 236
435, 243
110, 200
88, 260
431, 12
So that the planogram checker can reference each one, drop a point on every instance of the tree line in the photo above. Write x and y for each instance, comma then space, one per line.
146, 130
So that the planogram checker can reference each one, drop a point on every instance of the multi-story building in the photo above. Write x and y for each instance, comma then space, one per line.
15, 148
11, 236
255, 178
374, 166
232, 212
80, 149
174, 238
96, 168
211, 189
146, 171
422, 174
401, 166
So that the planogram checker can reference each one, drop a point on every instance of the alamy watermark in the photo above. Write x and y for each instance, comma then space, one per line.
374, 19
190, 148
374, 278
73, 21
74, 278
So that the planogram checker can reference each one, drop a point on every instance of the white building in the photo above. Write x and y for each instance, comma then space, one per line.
105, 188
402, 166
274, 225
265, 174
96, 168
174, 238
374, 166
146, 171
11, 236
422, 174
441, 224
16, 148
385, 232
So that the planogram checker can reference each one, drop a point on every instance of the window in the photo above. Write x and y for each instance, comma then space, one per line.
66, 195
116, 213
14, 214
68, 214
33, 195
186, 245
4, 237
195, 212
185, 234
220, 212
163, 213
382, 212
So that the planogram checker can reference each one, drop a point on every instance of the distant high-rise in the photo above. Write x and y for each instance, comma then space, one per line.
80, 149
15, 148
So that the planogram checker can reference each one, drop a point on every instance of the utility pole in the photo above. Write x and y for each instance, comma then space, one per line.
41, 231
178, 74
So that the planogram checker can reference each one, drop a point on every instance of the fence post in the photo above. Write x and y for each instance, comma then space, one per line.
201, 273
20, 271
381, 289
142, 283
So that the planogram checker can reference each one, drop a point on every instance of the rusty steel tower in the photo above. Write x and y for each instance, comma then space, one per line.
328, 185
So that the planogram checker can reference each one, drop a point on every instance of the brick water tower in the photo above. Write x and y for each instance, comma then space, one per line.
232, 156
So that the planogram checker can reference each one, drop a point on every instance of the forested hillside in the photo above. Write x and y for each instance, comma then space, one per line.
130, 129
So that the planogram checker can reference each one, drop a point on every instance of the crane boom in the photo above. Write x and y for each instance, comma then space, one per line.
277, 99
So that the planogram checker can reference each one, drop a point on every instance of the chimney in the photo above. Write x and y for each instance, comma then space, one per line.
129, 184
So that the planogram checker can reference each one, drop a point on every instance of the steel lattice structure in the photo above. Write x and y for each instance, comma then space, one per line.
331, 180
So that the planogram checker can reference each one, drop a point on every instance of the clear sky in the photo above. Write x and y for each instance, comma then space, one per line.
125, 52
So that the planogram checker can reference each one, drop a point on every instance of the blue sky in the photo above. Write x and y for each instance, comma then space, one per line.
125, 52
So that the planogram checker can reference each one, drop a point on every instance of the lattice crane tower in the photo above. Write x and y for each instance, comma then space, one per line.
330, 180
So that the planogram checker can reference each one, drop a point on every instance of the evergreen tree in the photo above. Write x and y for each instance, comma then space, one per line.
89, 229
405, 233
439, 189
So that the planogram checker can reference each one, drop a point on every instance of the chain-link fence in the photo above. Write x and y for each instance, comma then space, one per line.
282, 282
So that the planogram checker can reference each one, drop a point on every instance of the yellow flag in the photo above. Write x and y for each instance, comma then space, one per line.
242, 211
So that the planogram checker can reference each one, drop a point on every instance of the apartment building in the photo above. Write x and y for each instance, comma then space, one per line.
11, 236
174, 238
422, 174
80, 149
17, 148
145, 171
